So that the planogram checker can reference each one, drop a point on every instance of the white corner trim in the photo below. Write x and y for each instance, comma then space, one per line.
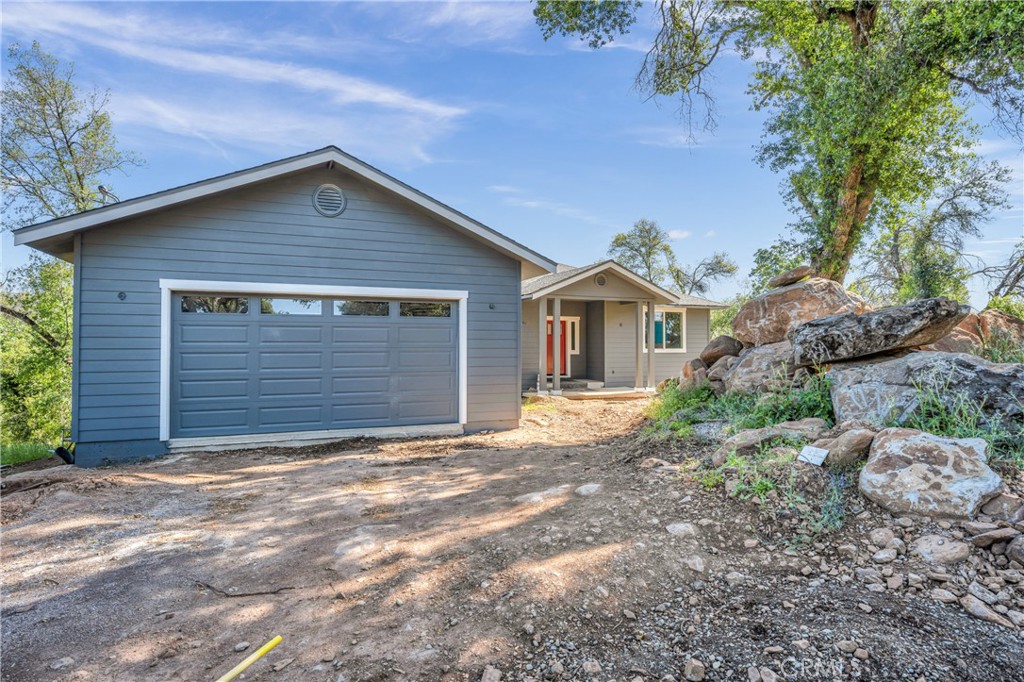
169, 286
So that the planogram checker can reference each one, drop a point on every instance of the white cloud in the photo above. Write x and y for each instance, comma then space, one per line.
304, 103
504, 189
710, 233
513, 196
678, 234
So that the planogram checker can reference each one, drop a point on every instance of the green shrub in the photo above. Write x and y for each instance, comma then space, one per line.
1010, 305
810, 400
950, 413
19, 453
1001, 349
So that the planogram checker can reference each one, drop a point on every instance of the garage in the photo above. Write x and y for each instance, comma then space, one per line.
264, 364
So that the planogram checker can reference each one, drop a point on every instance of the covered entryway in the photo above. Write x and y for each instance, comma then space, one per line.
259, 364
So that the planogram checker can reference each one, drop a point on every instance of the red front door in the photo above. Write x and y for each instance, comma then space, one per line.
561, 350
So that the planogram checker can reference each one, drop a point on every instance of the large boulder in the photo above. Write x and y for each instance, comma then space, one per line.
720, 347
996, 325
749, 441
721, 367
770, 317
849, 336
912, 472
890, 390
760, 367
790, 276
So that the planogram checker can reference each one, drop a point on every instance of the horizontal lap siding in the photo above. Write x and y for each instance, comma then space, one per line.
271, 233
669, 365
619, 344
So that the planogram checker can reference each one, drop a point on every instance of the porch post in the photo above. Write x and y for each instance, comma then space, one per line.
556, 347
638, 381
542, 345
650, 345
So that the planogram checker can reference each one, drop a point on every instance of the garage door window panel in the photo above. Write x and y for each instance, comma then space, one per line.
362, 308
226, 305
425, 309
290, 306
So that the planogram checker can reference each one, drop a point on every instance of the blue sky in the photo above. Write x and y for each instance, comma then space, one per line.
547, 142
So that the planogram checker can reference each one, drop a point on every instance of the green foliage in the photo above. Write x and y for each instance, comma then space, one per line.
782, 255
678, 407
721, 320
56, 141
1001, 349
867, 101
644, 250
19, 453
697, 281
35, 351
810, 400
947, 412
1011, 305
832, 507
596, 23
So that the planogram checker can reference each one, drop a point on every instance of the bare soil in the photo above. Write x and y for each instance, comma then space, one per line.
434, 558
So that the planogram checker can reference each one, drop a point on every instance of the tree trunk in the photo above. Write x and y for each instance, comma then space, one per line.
855, 198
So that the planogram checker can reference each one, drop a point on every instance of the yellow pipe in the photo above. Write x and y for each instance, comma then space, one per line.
255, 656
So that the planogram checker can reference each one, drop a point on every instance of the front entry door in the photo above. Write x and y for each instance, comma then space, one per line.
561, 350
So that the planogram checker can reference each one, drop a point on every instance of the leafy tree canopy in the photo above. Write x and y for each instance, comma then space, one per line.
867, 98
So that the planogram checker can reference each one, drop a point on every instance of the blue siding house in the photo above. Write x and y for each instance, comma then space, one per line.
316, 298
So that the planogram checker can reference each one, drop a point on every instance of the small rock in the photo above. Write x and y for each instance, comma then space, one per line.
880, 537
694, 563
862, 654
652, 462
629, 615
978, 609
694, 670
281, 665
242, 646
589, 489
753, 674
591, 667
884, 556
940, 550
684, 529
993, 536
847, 646
767, 675
62, 663
734, 578
491, 674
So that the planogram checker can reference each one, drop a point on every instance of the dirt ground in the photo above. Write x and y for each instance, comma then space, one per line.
434, 558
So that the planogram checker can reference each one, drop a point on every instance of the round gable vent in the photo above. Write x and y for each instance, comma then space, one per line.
600, 280
329, 200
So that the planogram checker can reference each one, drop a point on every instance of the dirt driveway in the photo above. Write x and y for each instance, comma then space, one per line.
545, 552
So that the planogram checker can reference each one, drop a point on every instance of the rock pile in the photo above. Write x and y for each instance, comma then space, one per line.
885, 366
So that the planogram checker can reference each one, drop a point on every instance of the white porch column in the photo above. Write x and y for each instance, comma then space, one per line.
542, 345
556, 347
650, 345
638, 381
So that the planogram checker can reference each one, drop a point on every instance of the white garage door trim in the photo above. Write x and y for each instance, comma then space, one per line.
169, 286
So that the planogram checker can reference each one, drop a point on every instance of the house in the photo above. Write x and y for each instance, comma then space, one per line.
316, 298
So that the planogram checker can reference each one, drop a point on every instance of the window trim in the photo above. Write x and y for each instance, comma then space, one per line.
662, 349
168, 287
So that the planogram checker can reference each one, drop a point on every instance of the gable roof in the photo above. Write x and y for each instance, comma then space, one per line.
538, 287
54, 236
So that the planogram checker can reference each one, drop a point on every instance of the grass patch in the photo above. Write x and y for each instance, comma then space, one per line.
677, 408
1001, 349
950, 413
19, 453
